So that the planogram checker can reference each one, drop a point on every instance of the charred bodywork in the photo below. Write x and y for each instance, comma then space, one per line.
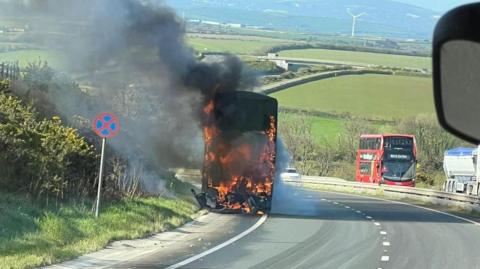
240, 132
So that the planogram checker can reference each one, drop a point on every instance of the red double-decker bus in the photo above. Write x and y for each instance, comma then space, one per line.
388, 159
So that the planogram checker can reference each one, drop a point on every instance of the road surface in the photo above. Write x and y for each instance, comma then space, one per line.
327, 230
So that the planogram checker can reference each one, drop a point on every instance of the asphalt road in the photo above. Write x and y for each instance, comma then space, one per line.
325, 230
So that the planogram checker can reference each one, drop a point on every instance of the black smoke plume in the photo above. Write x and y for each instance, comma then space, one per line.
133, 55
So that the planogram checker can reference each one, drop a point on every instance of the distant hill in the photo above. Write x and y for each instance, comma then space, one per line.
384, 17
438, 5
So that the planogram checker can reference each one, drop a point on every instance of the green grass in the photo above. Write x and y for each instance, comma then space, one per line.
32, 236
27, 56
323, 128
360, 57
369, 96
240, 45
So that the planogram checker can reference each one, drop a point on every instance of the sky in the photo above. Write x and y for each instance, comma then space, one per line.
437, 5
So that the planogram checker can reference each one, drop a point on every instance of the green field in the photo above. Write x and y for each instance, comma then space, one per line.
323, 129
28, 56
355, 57
237, 45
369, 96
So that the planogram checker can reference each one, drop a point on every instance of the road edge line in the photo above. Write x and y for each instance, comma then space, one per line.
408, 204
222, 245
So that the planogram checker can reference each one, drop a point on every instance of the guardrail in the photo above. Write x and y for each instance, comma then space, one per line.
419, 192
467, 201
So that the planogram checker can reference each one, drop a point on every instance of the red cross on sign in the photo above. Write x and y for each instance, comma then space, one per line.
106, 125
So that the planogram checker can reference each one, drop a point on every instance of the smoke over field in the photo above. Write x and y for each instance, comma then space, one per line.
133, 54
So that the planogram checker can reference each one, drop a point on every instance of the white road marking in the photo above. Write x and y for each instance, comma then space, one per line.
386, 243
385, 250
376, 223
383, 232
347, 207
222, 245
322, 199
385, 258
368, 217
358, 212
335, 203
412, 205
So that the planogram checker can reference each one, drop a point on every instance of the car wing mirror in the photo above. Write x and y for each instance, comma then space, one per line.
456, 71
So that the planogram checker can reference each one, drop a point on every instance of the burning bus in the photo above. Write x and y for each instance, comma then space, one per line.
240, 132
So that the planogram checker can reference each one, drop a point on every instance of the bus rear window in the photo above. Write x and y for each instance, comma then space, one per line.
370, 143
398, 143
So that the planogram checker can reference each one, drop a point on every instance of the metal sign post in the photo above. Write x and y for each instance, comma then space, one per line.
100, 173
105, 125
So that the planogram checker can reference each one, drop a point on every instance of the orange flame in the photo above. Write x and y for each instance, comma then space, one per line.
222, 156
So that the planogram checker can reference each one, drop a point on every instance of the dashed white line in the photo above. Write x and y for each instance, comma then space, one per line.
383, 233
376, 223
386, 244
385, 258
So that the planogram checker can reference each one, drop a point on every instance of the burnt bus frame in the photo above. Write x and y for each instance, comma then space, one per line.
242, 98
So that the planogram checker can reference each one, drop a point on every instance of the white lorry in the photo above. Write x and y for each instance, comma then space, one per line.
461, 168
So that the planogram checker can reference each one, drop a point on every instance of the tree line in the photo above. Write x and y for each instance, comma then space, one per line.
336, 157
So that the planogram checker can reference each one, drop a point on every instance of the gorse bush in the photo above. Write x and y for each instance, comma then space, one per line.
41, 156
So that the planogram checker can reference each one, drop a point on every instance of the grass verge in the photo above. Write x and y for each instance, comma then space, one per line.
32, 236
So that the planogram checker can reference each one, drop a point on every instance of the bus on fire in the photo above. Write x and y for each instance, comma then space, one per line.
387, 159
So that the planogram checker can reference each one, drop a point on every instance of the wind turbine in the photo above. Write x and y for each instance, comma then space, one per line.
354, 20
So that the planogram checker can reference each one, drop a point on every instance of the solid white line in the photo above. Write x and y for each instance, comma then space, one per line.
386, 244
222, 245
385, 258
